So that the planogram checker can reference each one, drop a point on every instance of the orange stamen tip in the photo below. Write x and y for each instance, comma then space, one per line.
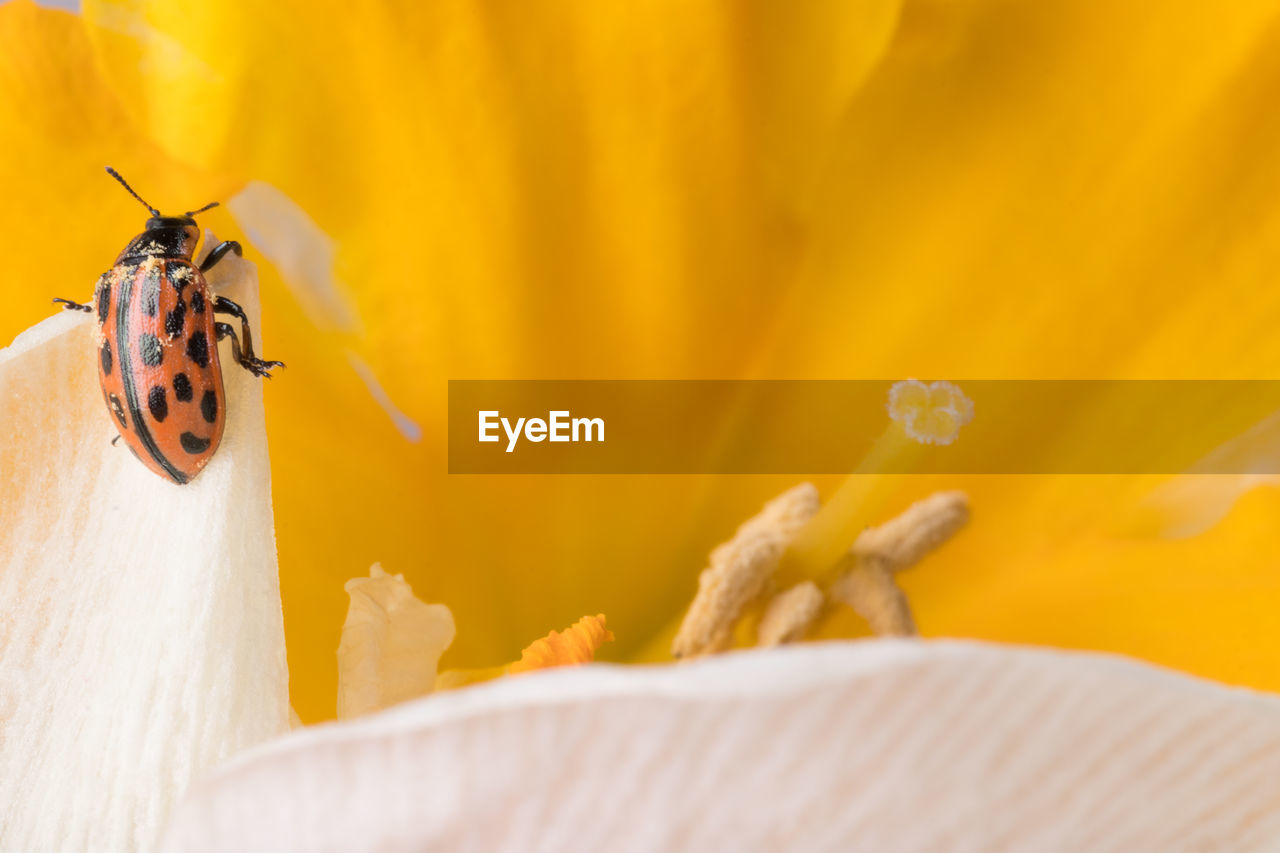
575, 645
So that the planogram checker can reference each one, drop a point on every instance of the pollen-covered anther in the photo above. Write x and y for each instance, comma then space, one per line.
874, 595
879, 553
741, 570
790, 615
930, 414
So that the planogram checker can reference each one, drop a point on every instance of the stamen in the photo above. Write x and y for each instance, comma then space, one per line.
920, 415
881, 552
903, 541
871, 591
790, 614
741, 570
744, 569
576, 644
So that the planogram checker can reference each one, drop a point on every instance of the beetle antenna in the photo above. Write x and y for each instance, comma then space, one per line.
211, 204
113, 173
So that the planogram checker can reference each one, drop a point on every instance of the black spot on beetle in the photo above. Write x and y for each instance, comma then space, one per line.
209, 406
193, 443
149, 297
149, 346
106, 358
175, 320
104, 298
197, 302
118, 410
198, 348
158, 402
182, 388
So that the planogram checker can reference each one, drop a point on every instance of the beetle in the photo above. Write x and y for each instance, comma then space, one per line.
158, 344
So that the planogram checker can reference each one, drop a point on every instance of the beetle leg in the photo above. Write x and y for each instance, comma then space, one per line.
247, 360
114, 440
223, 305
219, 252
68, 305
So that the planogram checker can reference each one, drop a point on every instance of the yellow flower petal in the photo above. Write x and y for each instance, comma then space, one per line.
568, 187
63, 218
507, 189
577, 644
1041, 564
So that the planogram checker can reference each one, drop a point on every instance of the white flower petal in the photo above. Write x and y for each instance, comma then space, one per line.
877, 745
141, 638
391, 643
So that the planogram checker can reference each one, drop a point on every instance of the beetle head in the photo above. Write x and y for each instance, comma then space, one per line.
158, 220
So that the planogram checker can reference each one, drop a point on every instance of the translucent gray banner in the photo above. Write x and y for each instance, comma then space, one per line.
834, 427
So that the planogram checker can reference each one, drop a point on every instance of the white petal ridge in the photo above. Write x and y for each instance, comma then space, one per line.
871, 745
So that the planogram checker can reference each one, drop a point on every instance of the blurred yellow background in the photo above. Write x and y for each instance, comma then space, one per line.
692, 189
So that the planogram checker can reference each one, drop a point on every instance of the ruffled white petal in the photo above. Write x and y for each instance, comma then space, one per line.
390, 646
875, 745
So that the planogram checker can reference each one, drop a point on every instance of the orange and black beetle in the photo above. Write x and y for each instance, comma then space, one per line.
157, 345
